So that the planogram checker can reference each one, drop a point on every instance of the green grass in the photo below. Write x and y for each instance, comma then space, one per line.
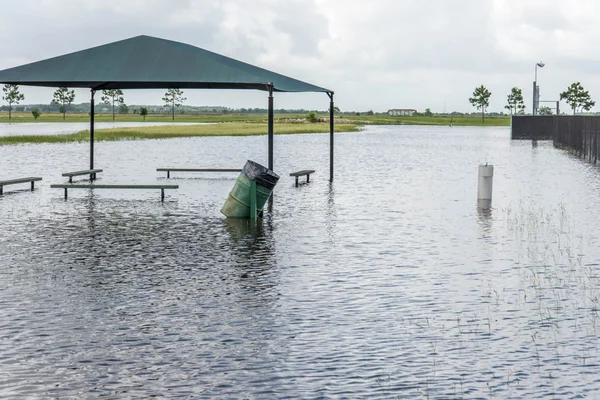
236, 117
174, 131
440, 120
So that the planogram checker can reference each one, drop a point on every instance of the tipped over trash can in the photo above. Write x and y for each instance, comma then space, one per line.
250, 192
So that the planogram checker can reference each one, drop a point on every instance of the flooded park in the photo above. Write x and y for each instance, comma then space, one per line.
389, 282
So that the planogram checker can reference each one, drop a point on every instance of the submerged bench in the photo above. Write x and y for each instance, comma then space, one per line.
91, 186
31, 179
306, 172
91, 172
169, 170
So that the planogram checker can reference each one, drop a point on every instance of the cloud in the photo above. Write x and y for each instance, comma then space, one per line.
377, 55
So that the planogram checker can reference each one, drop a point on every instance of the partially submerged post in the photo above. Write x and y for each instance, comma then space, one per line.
485, 181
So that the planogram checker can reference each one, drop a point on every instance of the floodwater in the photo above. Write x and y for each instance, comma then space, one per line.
63, 128
389, 283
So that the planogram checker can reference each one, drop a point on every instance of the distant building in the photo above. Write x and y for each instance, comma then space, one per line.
402, 111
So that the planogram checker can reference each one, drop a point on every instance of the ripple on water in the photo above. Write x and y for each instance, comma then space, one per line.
388, 283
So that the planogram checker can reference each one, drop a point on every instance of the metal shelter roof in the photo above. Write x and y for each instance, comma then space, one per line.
145, 62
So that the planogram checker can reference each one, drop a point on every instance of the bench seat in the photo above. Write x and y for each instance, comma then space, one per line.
306, 172
31, 179
113, 186
169, 170
91, 172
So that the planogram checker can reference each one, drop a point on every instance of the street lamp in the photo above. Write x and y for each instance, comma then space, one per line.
536, 88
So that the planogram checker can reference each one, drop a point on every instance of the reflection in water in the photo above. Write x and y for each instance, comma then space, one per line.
484, 215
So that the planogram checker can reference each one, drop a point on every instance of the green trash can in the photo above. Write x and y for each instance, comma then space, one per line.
250, 192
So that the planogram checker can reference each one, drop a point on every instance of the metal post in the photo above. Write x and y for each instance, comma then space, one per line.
270, 126
534, 96
331, 129
91, 131
558, 108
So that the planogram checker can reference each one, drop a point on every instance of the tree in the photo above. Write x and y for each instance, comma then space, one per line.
514, 101
545, 110
312, 117
123, 109
36, 113
12, 96
113, 97
481, 100
174, 98
143, 112
64, 97
428, 112
577, 98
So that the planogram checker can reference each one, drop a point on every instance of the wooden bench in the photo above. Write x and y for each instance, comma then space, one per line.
31, 179
169, 170
306, 172
91, 186
91, 172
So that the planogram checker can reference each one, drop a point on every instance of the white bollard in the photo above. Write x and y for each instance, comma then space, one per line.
484, 186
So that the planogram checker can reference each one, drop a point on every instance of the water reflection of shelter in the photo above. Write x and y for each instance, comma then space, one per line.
145, 62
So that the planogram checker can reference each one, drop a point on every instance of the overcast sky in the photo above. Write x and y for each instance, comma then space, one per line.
376, 54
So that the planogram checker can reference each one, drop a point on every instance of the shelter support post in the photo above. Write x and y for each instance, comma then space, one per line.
331, 129
91, 131
270, 126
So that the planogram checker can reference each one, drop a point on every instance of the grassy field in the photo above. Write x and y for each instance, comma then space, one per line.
173, 131
234, 117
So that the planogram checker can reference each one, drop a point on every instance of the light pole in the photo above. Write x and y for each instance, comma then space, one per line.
535, 88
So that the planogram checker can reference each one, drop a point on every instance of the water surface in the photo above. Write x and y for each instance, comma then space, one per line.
390, 282
63, 128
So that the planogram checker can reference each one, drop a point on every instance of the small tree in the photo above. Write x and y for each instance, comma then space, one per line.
428, 112
481, 100
514, 101
577, 98
12, 96
174, 98
545, 110
123, 109
312, 117
113, 97
64, 97
143, 112
36, 113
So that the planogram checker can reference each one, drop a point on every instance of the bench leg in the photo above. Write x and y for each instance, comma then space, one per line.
162, 194
168, 174
307, 178
32, 182
296, 181
70, 179
1, 190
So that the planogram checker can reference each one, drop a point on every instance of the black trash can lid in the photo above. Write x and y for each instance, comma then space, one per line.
260, 174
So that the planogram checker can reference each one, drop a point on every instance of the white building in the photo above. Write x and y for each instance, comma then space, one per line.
402, 111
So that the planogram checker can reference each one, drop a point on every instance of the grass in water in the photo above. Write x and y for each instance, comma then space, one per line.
379, 119
175, 131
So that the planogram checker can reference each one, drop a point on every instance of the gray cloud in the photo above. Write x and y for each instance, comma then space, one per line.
376, 55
